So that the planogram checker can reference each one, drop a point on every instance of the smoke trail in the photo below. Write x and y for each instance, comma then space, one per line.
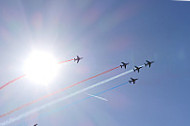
97, 94
20, 77
98, 97
65, 61
12, 81
51, 94
66, 97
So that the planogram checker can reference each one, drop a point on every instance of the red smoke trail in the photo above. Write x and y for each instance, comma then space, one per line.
12, 81
53, 93
65, 61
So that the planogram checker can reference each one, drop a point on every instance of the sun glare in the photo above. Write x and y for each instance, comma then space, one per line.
41, 67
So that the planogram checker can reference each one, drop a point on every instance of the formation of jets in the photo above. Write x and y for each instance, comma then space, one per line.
123, 64
136, 68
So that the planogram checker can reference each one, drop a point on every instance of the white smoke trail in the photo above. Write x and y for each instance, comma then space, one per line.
98, 97
11, 120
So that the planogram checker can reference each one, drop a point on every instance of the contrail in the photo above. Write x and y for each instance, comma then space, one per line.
98, 97
20, 77
53, 93
11, 120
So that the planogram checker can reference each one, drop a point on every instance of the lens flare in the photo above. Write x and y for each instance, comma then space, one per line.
41, 67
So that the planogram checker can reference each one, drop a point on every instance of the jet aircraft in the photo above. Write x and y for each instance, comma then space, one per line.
148, 63
137, 68
124, 65
133, 80
78, 59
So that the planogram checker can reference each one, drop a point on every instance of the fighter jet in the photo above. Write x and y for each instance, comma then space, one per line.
35, 124
137, 68
124, 65
78, 59
132, 80
148, 63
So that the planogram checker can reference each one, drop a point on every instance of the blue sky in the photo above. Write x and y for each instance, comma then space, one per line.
104, 32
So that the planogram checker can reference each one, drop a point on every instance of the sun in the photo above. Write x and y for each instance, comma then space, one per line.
41, 67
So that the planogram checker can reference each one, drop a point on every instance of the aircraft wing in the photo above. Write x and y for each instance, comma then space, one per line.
98, 97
